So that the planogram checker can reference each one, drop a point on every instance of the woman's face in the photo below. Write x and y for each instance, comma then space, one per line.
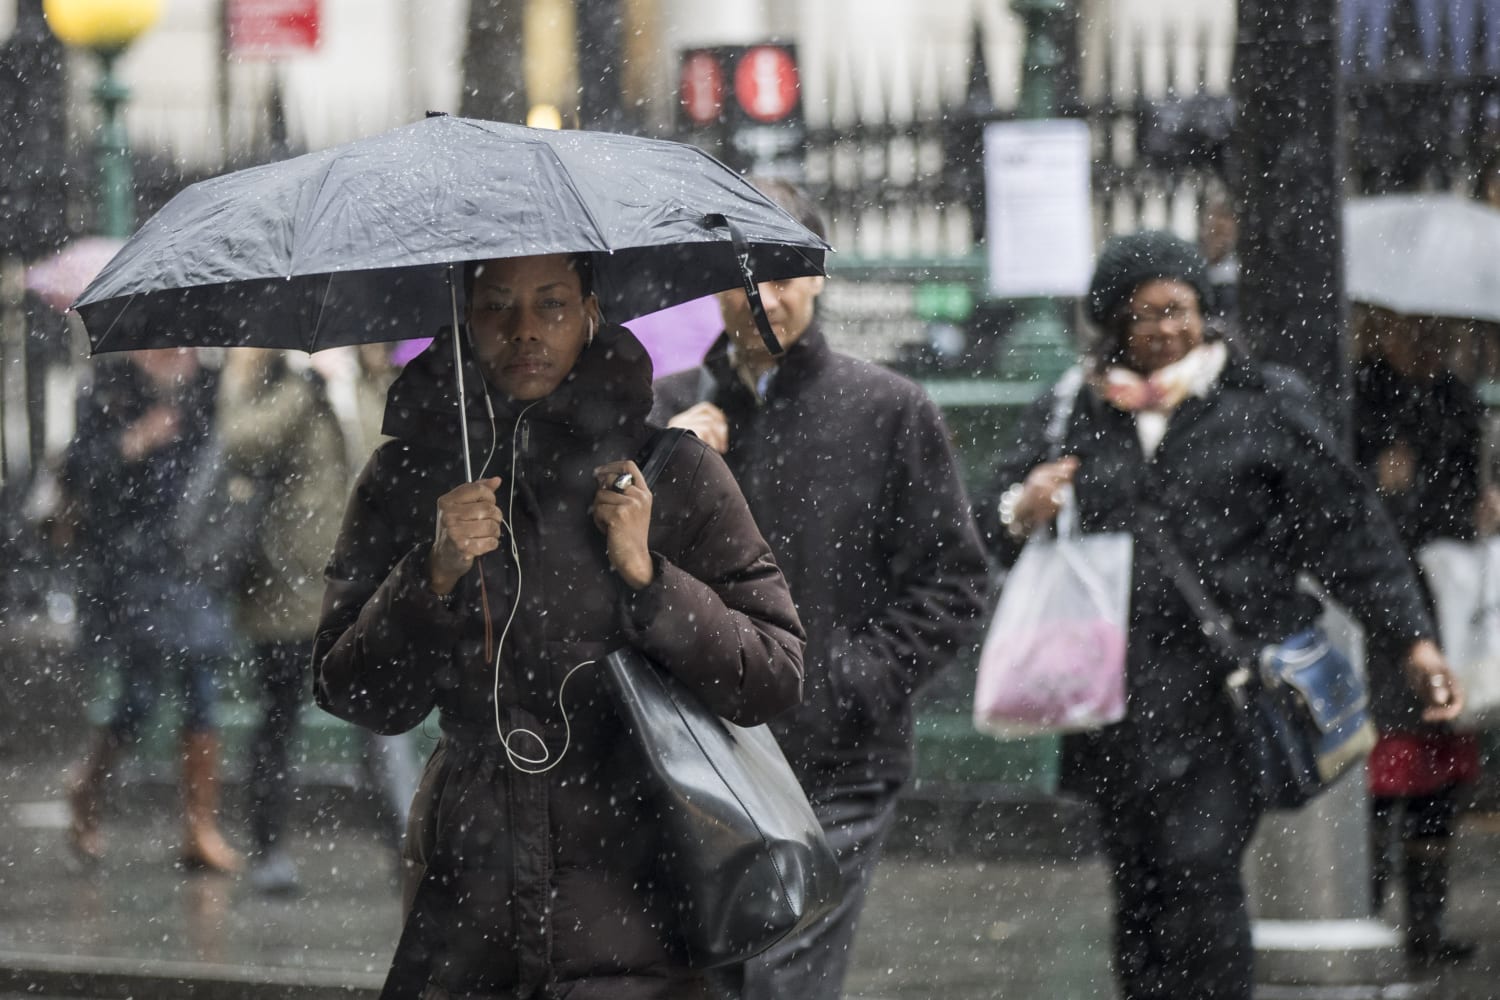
529, 321
1165, 322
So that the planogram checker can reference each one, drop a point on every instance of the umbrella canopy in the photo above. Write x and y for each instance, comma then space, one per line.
1424, 255
354, 244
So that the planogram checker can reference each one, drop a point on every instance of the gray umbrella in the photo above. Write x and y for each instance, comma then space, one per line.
360, 243
1424, 255
354, 244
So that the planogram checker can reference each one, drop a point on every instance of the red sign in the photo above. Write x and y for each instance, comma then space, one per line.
702, 88
270, 28
765, 83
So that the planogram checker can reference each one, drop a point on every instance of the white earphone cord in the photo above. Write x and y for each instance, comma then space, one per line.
518, 760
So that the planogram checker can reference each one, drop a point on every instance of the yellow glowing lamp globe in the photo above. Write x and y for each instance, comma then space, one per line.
100, 24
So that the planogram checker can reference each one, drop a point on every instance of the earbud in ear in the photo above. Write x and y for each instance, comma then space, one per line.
593, 326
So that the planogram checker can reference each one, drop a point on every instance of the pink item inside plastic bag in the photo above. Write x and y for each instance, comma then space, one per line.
1063, 676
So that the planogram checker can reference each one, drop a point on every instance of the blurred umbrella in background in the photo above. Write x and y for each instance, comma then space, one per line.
1424, 255
61, 278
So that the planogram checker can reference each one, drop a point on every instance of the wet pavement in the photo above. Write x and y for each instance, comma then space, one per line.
1031, 920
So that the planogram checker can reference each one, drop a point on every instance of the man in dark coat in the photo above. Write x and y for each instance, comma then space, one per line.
848, 471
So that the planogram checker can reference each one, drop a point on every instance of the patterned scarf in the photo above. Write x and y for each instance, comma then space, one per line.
1164, 389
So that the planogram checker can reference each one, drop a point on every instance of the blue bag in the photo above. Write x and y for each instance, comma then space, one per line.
1303, 716
1300, 709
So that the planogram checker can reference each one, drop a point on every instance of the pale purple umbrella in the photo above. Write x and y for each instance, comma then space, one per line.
677, 337
61, 278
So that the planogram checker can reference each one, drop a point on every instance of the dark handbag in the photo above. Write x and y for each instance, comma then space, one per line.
1300, 708
218, 521
1303, 714
743, 855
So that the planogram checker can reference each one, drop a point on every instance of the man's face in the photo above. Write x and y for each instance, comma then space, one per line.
165, 365
529, 321
789, 307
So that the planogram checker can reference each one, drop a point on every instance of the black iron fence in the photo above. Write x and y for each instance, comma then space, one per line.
901, 177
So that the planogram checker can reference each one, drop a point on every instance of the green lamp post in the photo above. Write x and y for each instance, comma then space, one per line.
106, 28
1038, 349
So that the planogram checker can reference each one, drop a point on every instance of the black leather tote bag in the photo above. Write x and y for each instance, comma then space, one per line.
742, 853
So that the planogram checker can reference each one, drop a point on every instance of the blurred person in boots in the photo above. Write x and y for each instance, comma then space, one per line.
143, 421
1417, 434
848, 470
1171, 434
278, 430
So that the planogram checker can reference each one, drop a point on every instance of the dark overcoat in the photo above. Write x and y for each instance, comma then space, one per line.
849, 471
1251, 485
1440, 422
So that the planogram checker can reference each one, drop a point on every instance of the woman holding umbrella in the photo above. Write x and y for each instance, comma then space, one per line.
530, 854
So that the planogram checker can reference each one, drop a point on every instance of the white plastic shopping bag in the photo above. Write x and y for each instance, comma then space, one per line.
1465, 581
1054, 658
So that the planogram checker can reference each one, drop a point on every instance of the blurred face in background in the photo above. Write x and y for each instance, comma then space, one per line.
1218, 231
1164, 321
167, 365
789, 307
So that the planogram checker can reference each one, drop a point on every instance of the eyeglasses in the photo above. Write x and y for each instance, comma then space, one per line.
1176, 314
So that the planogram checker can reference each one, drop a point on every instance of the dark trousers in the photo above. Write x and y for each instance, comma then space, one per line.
812, 965
282, 669
144, 670
1175, 847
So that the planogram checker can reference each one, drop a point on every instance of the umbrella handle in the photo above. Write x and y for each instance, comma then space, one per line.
752, 288
458, 379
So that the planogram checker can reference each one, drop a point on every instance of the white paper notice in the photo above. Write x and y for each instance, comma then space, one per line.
1037, 207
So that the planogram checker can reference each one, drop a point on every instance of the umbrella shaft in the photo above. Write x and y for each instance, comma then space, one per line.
458, 380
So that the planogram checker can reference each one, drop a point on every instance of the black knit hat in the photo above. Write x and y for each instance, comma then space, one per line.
1125, 262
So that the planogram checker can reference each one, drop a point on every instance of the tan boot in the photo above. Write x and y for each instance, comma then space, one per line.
202, 844
86, 791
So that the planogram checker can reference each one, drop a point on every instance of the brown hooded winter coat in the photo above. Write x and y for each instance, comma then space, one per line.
544, 882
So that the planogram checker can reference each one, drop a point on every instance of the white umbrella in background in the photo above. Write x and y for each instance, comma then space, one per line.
1424, 255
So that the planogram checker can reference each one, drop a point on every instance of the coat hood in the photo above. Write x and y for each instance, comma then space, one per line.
609, 387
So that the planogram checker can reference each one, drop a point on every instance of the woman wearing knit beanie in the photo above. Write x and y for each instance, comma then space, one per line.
1172, 435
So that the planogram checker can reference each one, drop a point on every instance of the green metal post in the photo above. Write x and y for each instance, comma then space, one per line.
116, 185
1037, 348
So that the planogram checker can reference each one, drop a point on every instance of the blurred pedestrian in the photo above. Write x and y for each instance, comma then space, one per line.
1174, 436
143, 421
1417, 433
531, 855
1218, 238
278, 430
357, 388
848, 470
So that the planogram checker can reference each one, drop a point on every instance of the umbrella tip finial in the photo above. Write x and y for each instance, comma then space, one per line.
436, 114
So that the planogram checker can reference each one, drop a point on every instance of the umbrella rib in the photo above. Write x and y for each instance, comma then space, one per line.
582, 203
113, 323
318, 323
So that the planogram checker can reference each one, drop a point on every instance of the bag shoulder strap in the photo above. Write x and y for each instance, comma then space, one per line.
1064, 401
658, 452
1217, 625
